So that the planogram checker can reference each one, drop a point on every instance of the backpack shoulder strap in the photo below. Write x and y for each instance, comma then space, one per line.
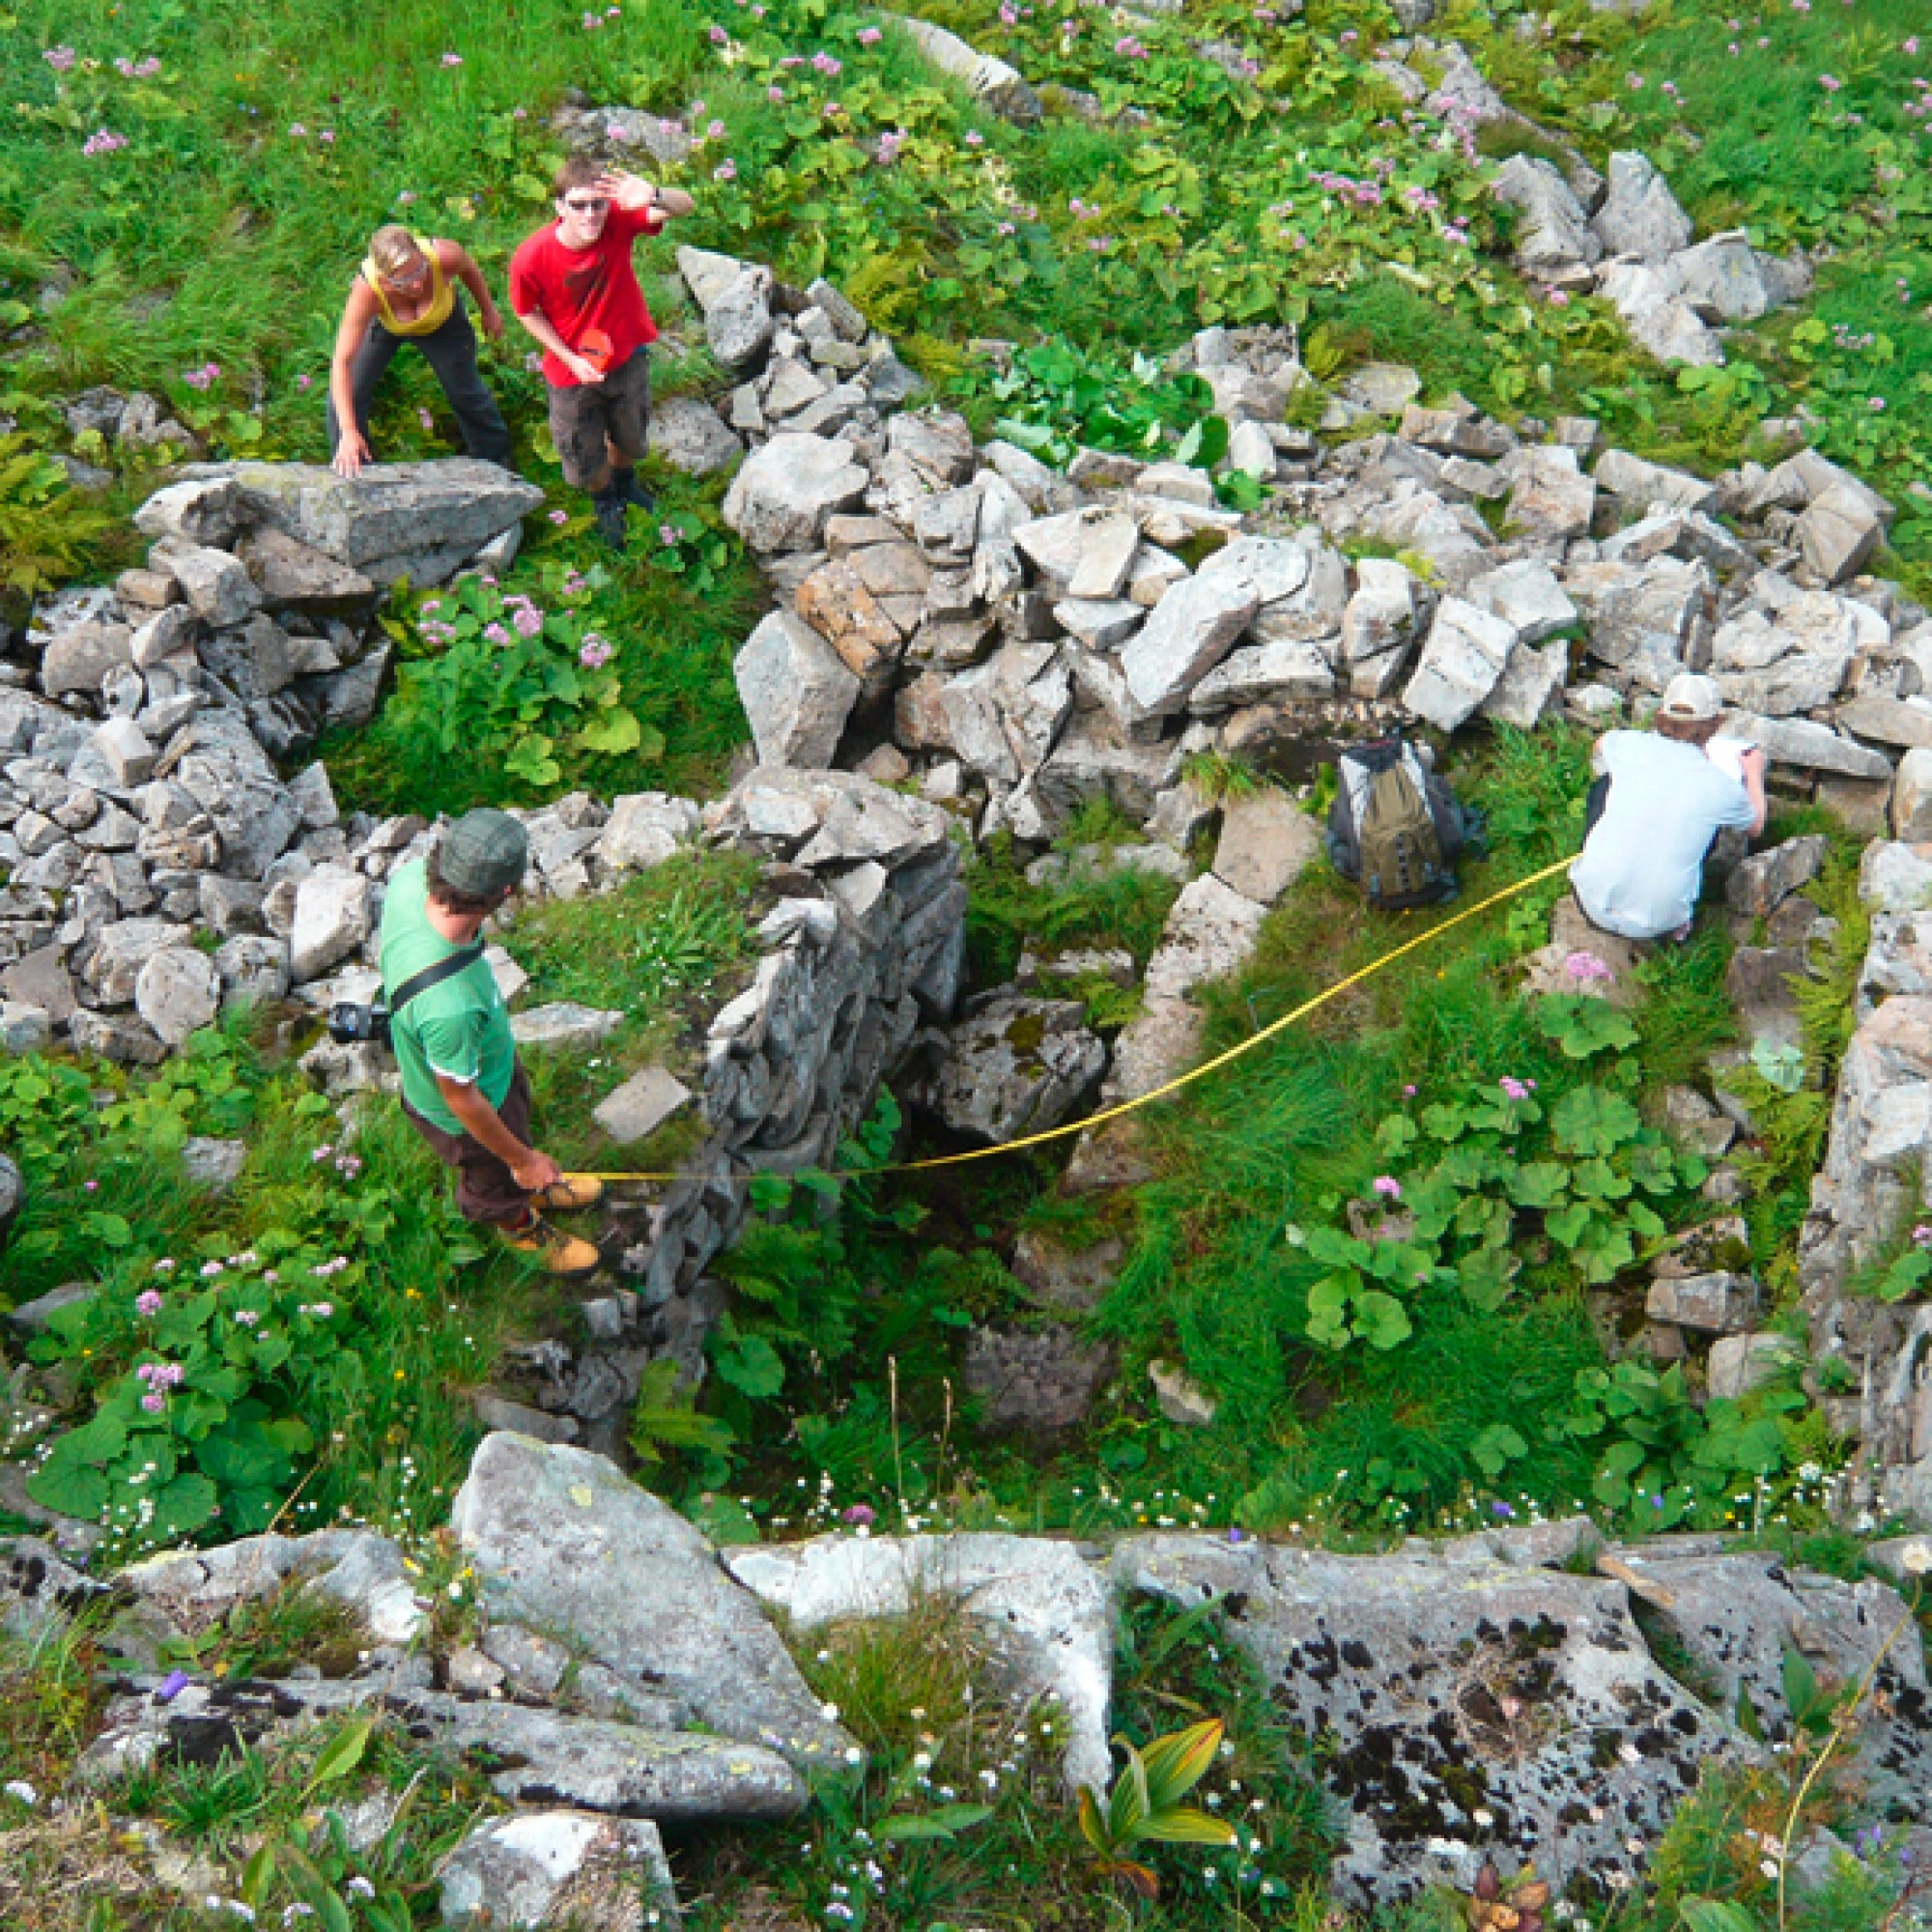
447, 968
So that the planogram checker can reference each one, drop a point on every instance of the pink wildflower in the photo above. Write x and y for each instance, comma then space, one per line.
60, 59
1586, 968
1387, 1187
594, 653
452, 60
870, 36
148, 1302
860, 1515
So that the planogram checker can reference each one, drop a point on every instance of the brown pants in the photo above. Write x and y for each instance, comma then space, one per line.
486, 1190
589, 420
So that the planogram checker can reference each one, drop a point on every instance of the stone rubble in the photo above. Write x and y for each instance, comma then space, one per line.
1481, 1697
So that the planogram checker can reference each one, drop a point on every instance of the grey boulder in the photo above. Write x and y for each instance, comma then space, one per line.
544, 1867
1017, 1065
783, 496
797, 692
560, 1541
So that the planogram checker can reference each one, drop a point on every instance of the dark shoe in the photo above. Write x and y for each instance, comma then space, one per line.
611, 523
635, 492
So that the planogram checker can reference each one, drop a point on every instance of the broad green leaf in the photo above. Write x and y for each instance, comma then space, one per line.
1184, 1825
944, 1821
344, 1752
1179, 1761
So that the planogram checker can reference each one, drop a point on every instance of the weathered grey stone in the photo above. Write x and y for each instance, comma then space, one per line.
1161, 1040
544, 1867
24, 1028
291, 575
40, 979
1794, 662
219, 764
796, 691
1807, 746
1721, 279
129, 755
563, 1025
689, 435
1837, 534
1741, 1363
126, 1043
1475, 1699
1185, 637
1039, 1380
333, 917
365, 1572
1902, 721
31, 1318
782, 498
644, 829
1760, 884
213, 1165
1641, 484
1039, 1601
1911, 799
1737, 1616
1554, 240
178, 992
1017, 1065
1550, 494
1211, 933
203, 510
1465, 654
1000, 88
81, 657
217, 587
254, 967
1640, 217
1527, 596
422, 519
641, 1105
1716, 1304
1284, 673
1531, 686
560, 1541
1179, 1397
1268, 842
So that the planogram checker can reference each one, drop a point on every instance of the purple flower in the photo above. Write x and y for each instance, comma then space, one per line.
827, 65
452, 60
148, 1302
860, 1515
247, 1317
669, 533
528, 620
726, 170
153, 1404
1387, 1187
594, 653
1513, 1088
1410, 1091
1501, 1509
870, 36
102, 142
1586, 968
559, 517
172, 1686
60, 59
495, 634
717, 35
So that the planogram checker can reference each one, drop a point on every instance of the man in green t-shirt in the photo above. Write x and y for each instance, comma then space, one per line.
463, 1090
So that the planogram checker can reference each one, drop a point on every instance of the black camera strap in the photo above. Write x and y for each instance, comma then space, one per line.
433, 975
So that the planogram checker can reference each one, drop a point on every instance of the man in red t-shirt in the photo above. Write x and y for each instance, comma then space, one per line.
575, 289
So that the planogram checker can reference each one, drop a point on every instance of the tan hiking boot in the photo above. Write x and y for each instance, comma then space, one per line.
553, 1250
568, 1195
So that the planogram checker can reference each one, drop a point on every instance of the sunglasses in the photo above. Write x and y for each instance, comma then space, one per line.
594, 204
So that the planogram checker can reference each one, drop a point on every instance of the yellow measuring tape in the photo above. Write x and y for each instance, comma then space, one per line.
1193, 1074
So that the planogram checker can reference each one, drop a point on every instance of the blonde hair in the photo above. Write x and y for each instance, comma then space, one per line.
394, 248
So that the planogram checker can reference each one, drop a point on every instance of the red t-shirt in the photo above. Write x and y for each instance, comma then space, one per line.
590, 295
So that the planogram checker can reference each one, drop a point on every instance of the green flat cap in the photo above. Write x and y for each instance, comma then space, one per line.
485, 851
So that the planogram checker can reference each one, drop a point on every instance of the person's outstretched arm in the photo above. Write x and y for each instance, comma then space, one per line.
352, 451
458, 261
1754, 762
482, 1123
632, 193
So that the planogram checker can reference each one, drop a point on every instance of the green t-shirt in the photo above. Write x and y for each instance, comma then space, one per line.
461, 1028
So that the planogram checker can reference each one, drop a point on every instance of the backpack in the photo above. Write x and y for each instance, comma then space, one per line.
1395, 827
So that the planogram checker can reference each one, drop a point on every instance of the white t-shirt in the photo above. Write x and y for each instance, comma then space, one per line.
1643, 862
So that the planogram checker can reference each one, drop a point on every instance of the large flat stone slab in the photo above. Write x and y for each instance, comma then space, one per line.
562, 1543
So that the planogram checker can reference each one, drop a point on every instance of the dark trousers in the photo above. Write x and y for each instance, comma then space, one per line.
486, 1190
451, 351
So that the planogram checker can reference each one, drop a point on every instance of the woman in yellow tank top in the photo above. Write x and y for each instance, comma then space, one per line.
406, 291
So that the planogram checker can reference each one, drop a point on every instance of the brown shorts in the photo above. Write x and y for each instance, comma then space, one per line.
585, 417
486, 1190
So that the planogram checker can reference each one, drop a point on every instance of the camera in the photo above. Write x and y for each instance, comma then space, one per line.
347, 1023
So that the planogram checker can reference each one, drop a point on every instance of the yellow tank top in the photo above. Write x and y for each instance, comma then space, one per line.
442, 296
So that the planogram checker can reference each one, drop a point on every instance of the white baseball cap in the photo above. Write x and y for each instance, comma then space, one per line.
1690, 700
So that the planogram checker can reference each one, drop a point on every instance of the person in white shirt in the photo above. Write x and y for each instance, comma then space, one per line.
1668, 798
